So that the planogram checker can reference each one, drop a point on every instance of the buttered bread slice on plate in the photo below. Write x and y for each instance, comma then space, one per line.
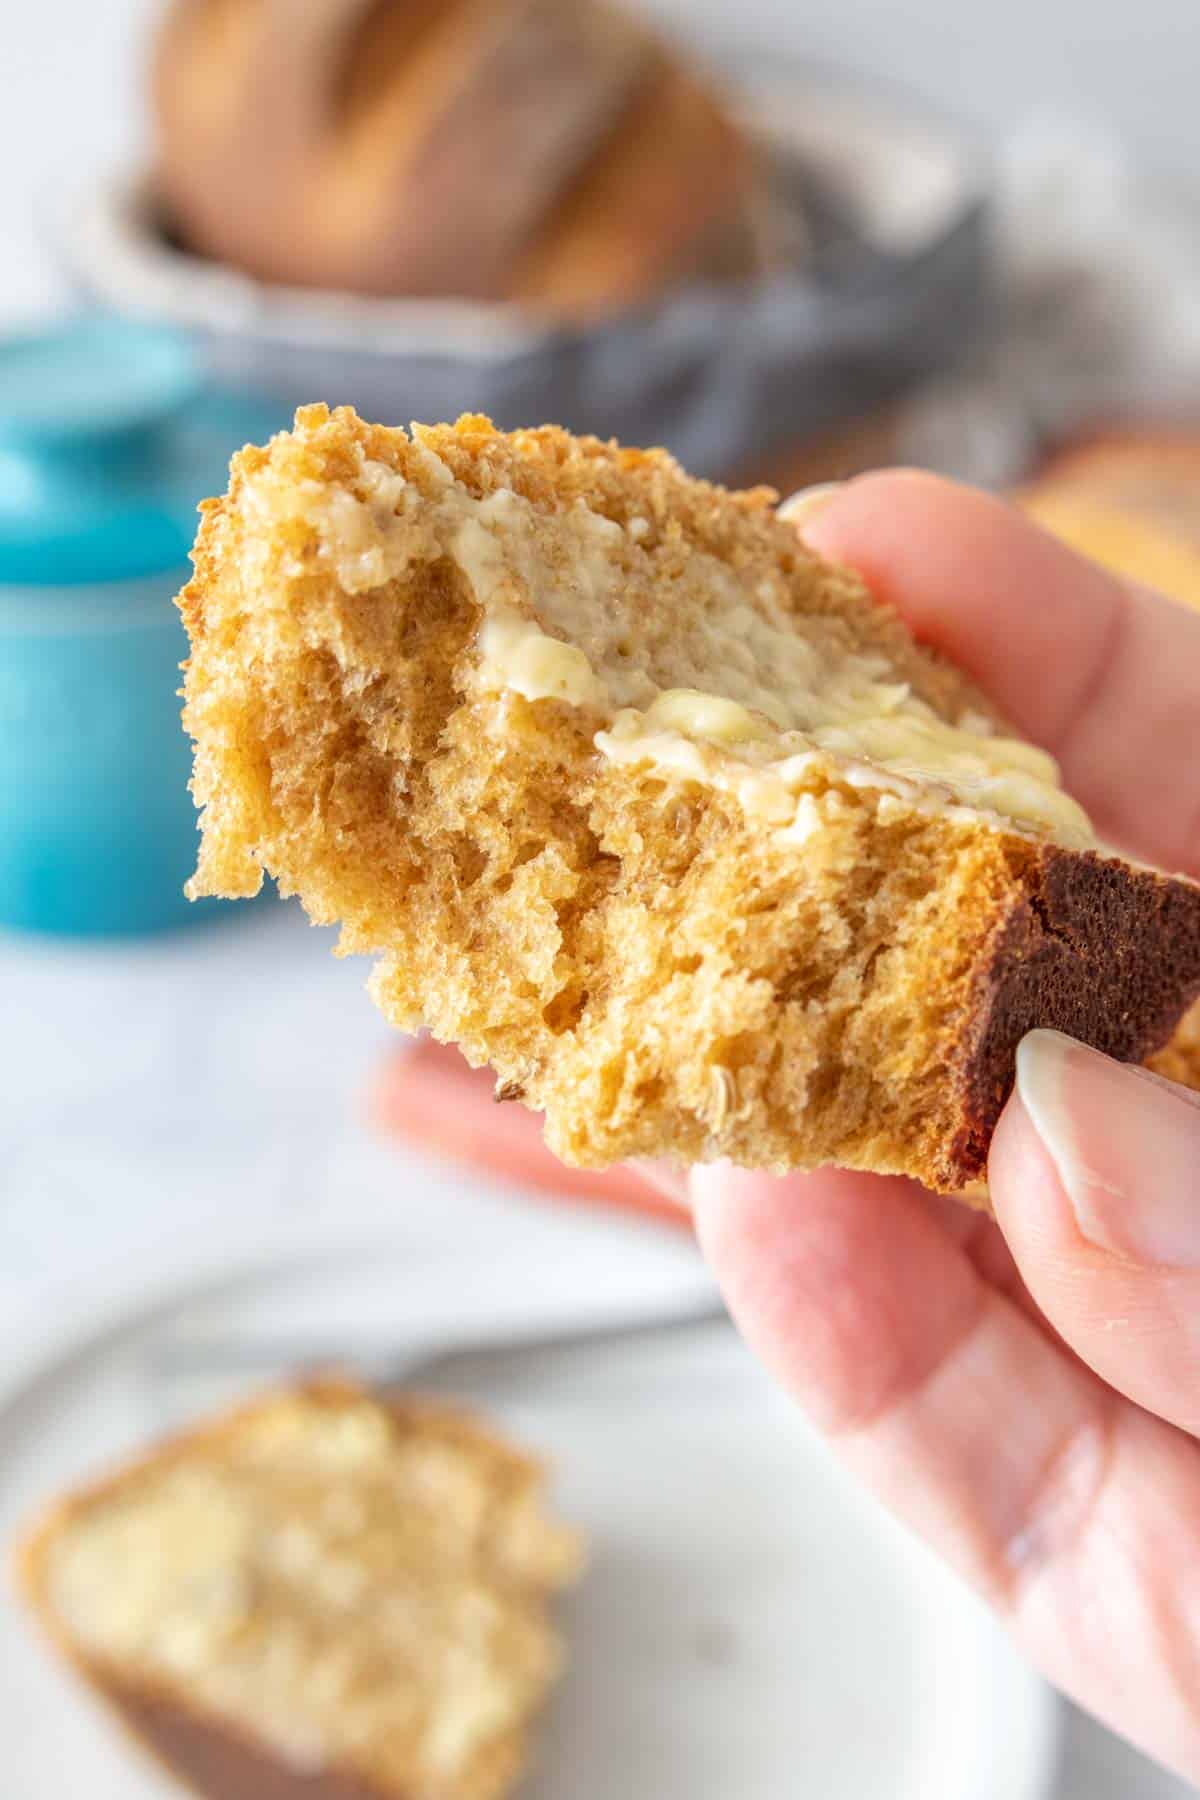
324, 1593
638, 801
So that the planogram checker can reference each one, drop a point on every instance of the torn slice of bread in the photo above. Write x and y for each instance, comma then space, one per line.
640, 802
320, 1594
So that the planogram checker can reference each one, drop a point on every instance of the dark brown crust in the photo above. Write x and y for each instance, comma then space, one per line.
211, 1758
1103, 952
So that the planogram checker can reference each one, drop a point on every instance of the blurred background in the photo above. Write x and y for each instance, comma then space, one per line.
789, 243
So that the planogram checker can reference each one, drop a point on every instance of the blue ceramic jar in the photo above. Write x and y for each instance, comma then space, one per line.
108, 439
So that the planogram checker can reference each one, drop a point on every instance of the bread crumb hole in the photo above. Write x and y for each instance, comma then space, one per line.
565, 1010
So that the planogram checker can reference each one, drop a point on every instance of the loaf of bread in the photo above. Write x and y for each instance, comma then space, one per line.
322, 1594
557, 155
639, 802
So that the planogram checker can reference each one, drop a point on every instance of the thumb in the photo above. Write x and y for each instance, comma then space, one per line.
1095, 1178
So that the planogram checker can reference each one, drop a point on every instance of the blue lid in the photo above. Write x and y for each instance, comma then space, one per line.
109, 437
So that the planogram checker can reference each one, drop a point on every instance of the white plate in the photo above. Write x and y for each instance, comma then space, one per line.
752, 1627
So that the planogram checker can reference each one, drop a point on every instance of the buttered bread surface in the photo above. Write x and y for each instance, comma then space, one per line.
636, 799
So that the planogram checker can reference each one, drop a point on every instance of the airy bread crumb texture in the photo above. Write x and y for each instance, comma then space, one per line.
663, 946
322, 1585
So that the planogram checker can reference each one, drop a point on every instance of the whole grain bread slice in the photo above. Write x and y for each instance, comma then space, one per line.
321, 1593
636, 800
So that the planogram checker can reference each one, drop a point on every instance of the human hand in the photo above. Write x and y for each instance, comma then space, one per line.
1024, 1391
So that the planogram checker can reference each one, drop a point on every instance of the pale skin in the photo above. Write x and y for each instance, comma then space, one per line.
1024, 1391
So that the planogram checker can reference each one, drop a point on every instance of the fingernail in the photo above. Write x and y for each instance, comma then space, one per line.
1125, 1144
798, 508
